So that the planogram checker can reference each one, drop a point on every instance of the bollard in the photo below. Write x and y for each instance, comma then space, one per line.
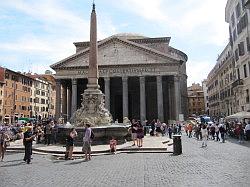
177, 144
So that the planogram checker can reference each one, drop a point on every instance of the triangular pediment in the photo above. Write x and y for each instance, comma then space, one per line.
115, 51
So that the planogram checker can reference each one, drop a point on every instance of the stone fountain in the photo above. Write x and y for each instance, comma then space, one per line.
92, 109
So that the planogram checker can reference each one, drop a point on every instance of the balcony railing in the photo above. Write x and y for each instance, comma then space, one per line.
237, 83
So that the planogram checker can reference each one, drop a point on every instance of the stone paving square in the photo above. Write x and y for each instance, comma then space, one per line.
219, 164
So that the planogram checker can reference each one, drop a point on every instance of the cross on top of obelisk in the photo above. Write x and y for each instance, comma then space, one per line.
93, 5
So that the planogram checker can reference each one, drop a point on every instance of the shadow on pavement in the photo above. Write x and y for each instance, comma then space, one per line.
13, 164
14, 160
76, 162
236, 141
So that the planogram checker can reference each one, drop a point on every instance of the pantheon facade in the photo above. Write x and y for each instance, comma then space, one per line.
142, 78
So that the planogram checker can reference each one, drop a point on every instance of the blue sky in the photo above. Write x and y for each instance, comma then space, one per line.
37, 33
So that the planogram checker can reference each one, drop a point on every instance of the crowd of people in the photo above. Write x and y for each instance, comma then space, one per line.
218, 131
46, 133
139, 129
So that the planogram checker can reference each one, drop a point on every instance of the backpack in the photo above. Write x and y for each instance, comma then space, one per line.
92, 135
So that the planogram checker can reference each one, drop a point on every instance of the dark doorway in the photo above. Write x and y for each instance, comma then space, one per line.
134, 98
101, 84
116, 98
151, 98
81, 86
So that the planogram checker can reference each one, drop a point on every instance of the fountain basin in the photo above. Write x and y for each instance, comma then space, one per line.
102, 134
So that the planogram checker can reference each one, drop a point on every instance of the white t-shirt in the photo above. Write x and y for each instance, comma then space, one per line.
204, 132
247, 128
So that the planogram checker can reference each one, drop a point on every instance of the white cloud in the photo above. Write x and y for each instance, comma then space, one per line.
197, 70
150, 10
186, 18
60, 28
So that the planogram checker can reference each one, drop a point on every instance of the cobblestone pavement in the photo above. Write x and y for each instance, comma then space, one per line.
219, 164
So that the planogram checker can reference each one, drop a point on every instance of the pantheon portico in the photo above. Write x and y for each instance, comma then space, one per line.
141, 77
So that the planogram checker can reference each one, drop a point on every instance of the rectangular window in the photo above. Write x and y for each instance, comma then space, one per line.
239, 28
232, 19
7, 76
248, 44
238, 71
236, 53
245, 70
237, 10
243, 2
241, 49
247, 96
234, 35
42, 101
249, 67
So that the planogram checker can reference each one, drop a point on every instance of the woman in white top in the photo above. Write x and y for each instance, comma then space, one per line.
204, 134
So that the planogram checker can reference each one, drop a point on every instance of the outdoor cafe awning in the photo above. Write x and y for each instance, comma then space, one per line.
239, 116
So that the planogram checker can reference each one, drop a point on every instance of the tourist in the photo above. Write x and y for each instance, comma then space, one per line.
212, 131
87, 142
222, 132
164, 129
4, 142
152, 125
133, 130
39, 134
217, 132
48, 132
170, 131
204, 134
112, 145
190, 129
70, 144
55, 131
240, 132
186, 129
179, 128
27, 141
158, 127
247, 130
139, 134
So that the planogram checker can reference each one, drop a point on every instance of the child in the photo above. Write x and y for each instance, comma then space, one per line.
112, 145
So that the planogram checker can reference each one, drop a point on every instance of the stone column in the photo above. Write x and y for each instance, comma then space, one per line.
177, 96
69, 103
125, 96
64, 102
159, 98
142, 99
58, 99
170, 101
74, 96
107, 92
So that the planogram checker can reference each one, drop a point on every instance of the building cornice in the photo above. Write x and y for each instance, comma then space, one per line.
152, 40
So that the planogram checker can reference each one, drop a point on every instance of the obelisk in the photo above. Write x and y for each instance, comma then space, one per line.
93, 74
93, 110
